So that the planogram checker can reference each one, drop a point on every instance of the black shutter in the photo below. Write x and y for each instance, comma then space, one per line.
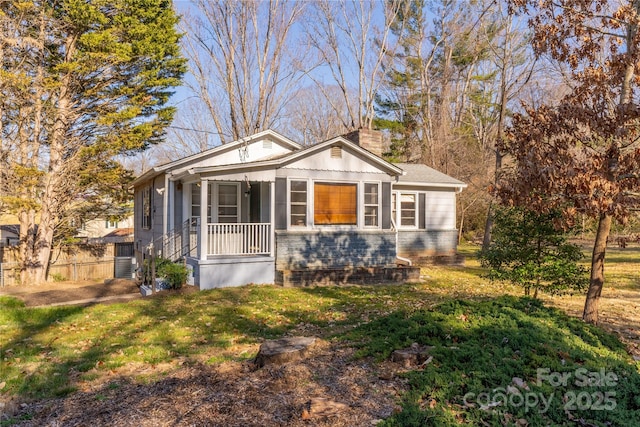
386, 205
421, 211
281, 204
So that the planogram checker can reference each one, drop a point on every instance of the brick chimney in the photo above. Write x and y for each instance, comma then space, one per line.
368, 139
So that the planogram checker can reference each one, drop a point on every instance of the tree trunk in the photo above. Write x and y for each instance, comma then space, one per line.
462, 211
590, 314
488, 228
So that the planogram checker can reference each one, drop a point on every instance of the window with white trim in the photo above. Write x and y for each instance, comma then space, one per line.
371, 204
146, 208
298, 203
196, 201
111, 224
335, 203
408, 209
228, 206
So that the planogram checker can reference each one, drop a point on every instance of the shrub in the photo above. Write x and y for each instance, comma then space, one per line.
175, 274
57, 277
528, 250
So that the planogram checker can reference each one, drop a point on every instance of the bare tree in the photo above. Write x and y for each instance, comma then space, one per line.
245, 63
581, 155
353, 48
512, 65
310, 117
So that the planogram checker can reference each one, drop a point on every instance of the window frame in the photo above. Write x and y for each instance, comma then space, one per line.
146, 219
398, 208
196, 189
110, 224
377, 204
356, 201
218, 206
290, 203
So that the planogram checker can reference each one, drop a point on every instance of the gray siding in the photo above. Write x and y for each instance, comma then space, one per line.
265, 199
177, 203
281, 204
143, 236
386, 205
326, 249
427, 243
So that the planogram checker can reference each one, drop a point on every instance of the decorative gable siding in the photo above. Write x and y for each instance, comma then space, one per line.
324, 161
256, 150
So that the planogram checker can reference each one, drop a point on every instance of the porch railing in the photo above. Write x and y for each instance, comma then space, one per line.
239, 239
179, 242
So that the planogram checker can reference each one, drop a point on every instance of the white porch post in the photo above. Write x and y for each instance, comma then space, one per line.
165, 205
204, 224
272, 217
172, 205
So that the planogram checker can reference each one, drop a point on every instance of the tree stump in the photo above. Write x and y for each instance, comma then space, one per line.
412, 356
283, 350
320, 407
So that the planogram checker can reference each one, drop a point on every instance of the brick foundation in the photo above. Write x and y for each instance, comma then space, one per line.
343, 276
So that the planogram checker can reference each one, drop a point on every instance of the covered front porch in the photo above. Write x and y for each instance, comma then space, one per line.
235, 244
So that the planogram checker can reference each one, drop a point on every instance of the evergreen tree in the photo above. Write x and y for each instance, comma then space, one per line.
82, 83
528, 250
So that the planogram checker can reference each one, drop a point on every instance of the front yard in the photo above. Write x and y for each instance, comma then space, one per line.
185, 359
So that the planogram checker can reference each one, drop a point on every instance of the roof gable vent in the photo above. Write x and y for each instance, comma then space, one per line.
336, 152
267, 144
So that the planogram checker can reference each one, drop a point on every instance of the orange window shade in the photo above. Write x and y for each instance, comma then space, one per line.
335, 204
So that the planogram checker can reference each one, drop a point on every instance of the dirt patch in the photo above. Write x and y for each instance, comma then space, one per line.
55, 293
234, 394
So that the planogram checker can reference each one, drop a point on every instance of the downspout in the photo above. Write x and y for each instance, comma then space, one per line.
394, 228
407, 260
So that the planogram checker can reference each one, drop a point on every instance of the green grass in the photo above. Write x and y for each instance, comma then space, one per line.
481, 346
49, 352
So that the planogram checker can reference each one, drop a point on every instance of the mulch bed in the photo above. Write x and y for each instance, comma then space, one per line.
53, 293
233, 394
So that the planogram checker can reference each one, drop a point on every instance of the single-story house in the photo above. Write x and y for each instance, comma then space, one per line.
9, 234
107, 230
264, 209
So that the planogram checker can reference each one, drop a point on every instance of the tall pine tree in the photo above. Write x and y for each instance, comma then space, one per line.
82, 83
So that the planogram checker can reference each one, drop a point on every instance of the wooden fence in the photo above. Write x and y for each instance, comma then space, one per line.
95, 262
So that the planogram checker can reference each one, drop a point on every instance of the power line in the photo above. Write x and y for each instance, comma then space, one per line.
198, 130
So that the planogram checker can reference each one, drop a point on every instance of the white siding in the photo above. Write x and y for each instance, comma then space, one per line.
250, 152
98, 227
440, 207
322, 160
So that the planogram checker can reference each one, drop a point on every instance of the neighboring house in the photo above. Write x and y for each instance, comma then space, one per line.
107, 231
94, 231
9, 234
263, 209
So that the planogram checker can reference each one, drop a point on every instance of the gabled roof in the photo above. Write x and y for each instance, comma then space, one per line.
10, 228
157, 170
120, 232
287, 158
417, 174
